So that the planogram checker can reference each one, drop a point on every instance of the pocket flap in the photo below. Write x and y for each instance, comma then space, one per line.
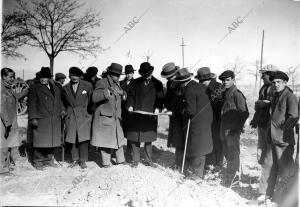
106, 112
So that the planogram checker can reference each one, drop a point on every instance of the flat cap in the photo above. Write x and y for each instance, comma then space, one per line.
92, 71
226, 74
59, 76
75, 71
279, 75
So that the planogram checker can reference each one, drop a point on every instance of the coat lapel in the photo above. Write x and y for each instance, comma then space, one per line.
79, 91
69, 94
44, 89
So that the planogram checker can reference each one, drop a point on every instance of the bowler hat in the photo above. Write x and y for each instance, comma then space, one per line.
226, 74
204, 74
45, 72
115, 68
279, 75
169, 70
146, 69
75, 71
59, 76
129, 69
92, 71
183, 75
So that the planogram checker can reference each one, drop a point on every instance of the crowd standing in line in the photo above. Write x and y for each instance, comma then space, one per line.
205, 125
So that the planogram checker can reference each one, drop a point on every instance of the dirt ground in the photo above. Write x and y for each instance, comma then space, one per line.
121, 185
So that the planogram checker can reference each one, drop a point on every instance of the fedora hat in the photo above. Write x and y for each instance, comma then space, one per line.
75, 71
169, 70
115, 68
129, 69
183, 75
146, 69
204, 74
45, 72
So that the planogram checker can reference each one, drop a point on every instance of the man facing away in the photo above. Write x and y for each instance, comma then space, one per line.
77, 95
234, 114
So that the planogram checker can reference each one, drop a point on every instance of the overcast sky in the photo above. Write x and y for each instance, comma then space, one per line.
202, 24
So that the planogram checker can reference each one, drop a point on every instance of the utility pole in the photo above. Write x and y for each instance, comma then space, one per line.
182, 45
148, 58
23, 75
261, 54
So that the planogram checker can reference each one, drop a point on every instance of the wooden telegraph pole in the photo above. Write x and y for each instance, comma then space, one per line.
261, 54
182, 50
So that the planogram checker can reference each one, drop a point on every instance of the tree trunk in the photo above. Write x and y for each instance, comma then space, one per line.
51, 58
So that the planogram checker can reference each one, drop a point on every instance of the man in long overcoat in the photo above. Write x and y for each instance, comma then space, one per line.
173, 101
146, 94
10, 139
107, 130
214, 91
44, 113
234, 114
125, 85
198, 110
77, 95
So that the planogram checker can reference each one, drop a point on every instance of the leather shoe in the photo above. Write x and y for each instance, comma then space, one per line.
73, 164
134, 164
82, 164
38, 167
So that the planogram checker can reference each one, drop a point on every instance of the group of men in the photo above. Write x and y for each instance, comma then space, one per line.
205, 125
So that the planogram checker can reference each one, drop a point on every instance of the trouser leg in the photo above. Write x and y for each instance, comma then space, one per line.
14, 154
75, 152
106, 156
148, 151
284, 155
233, 154
120, 155
266, 171
218, 150
84, 151
4, 157
136, 151
178, 156
197, 163
128, 148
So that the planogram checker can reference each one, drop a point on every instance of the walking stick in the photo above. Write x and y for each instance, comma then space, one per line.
63, 141
186, 141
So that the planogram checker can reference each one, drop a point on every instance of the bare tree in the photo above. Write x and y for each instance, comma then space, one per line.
254, 71
12, 37
237, 67
55, 26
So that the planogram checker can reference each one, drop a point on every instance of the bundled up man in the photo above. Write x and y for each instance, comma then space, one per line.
197, 108
44, 113
283, 117
77, 95
146, 94
125, 85
60, 79
91, 75
10, 139
234, 114
107, 130
173, 102
214, 91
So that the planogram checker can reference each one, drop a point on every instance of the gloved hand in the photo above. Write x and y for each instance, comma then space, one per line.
7, 130
34, 123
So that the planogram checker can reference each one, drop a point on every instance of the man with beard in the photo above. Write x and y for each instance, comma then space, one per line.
77, 95
234, 114
44, 113
146, 94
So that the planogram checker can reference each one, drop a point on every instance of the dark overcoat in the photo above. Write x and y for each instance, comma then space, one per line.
143, 128
78, 120
198, 109
234, 112
9, 117
284, 114
173, 101
46, 107
106, 129
125, 86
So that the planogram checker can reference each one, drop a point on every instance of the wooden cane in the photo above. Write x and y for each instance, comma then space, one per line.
185, 145
63, 142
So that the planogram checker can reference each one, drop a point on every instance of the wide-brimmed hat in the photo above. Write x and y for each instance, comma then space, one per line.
279, 75
146, 69
75, 71
269, 68
227, 74
129, 69
169, 70
115, 68
45, 72
183, 75
204, 74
